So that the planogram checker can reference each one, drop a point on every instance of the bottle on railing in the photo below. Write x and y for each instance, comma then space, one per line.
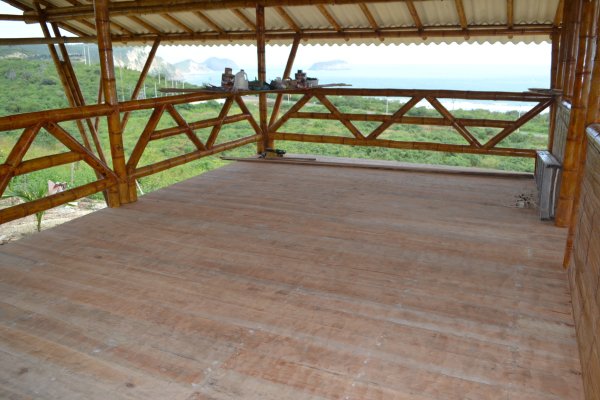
241, 81
227, 79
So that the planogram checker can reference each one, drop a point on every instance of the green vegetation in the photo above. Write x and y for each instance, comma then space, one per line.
28, 192
33, 85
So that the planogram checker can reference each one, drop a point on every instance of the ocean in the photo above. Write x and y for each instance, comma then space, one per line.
506, 78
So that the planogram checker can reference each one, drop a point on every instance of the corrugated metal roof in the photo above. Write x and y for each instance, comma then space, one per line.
329, 23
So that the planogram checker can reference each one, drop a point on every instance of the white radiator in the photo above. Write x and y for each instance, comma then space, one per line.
547, 179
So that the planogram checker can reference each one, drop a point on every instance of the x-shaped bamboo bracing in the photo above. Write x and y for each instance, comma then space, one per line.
186, 128
340, 117
460, 128
16, 155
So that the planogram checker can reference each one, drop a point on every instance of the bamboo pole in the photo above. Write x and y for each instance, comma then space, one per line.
178, 130
338, 115
592, 116
246, 111
397, 116
40, 163
141, 80
109, 88
16, 155
407, 145
267, 142
572, 49
576, 132
45, 203
553, 85
455, 123
286, 74
144, 139
181, 123
217, 128
185, 158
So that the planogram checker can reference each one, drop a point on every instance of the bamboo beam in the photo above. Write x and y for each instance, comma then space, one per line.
246, 111
158, 6
460, 9
450, 148
553, 85
592, 116
415, 16
109, 89
323, 10
369, 16
151, 28
16, 155
144, 138
40, 163
340, 117
186, 128
141, 80
213, 25
492, 123
528, 116
575, 147
217, 128
286, 17
16, 17
178, 130
177, 22
460, 128
316, 34
185, 158
395, 118
295, 108
262, 77
239, 13
510, 14
558, 15
572, 45
45, 203
286, 74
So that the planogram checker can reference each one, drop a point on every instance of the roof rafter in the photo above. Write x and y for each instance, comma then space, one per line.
288, 19
460, 9
160, 6
145, 24
415, 16
365, 9
240, 14
177, 22
209, 21
323, 10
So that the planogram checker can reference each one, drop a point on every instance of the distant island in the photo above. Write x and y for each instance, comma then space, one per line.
334, 65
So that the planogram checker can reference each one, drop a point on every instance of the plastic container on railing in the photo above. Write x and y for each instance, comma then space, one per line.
241, 81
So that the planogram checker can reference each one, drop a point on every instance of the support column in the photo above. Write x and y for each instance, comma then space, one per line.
262, 77
576, 133
553, 85
592, 115
286, 74
109, 89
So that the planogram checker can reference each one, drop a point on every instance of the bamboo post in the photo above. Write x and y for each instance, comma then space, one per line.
262, 77
553, 77
592, 116
286, 74
109, 89
573, 49
576, 132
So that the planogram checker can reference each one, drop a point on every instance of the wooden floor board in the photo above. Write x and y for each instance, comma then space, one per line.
271, 281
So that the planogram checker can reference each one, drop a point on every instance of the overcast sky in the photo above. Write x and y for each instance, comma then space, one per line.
476, 54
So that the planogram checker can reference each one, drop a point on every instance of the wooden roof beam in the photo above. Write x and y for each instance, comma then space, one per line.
145, 24
288, 19
367, 13
460, 9
213, 25
177, 22
240, 14
323, 10
438, 32
415, 16
510, 14
558, 15
118, 8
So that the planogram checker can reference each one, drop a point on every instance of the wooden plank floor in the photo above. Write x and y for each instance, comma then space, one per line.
269, 281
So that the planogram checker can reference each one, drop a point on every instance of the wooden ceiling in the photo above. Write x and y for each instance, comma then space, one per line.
212, 22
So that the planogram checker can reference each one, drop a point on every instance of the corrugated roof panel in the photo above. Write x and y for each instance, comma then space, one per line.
531, 12
437, 13
192, 21
228, 20
274, 20
391, 15
349, 16
308, 17
485, 12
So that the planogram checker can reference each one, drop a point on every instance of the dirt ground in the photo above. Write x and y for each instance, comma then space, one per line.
20, 228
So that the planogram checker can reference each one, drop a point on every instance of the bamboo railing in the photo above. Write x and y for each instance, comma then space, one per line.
108, 179
460, 125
